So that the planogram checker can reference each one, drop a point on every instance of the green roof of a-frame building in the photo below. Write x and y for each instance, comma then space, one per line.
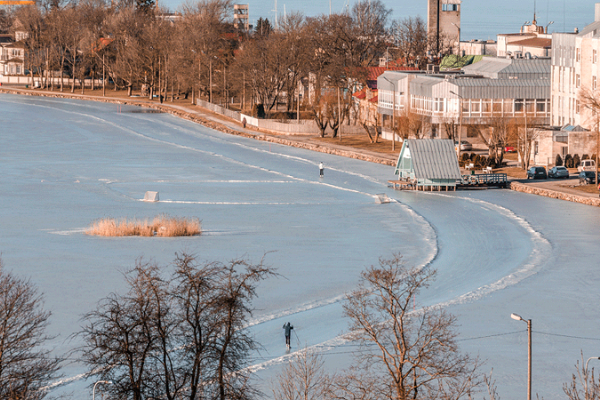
428, 159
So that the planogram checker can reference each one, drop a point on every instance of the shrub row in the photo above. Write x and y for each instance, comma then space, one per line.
477, 160
572, 161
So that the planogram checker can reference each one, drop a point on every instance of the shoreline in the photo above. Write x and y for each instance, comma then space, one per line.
219, 123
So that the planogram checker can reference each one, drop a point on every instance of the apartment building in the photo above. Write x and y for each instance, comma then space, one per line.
574, 69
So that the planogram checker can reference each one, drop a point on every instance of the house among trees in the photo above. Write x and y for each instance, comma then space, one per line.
12, 55
428, 164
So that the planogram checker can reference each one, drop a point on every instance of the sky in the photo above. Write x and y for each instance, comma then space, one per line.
481, 19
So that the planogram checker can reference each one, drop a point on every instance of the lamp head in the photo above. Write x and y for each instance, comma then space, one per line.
516, 317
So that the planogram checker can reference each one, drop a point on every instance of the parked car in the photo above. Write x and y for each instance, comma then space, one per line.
464, 146
510, 149
587, 165
558, 172
537, 173
587, 177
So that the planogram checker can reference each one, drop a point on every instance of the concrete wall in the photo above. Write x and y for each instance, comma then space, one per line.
302, 127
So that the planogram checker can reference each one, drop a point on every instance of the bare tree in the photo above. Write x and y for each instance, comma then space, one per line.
417, 355
303, 378
589, 388
410, 40
591, 100
233, 344
26, 366
178, 337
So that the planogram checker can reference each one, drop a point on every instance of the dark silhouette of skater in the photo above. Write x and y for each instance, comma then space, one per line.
288, 331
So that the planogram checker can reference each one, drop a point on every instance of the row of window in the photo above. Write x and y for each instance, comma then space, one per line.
594, 55
480, 106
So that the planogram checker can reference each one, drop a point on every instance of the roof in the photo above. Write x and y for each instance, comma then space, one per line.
360, 94
375, 72
493, 67
538, 42
374, 99
453, 61
592, 30
431, 158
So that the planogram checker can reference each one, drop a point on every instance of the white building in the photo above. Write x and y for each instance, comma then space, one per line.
575, 67
493, 87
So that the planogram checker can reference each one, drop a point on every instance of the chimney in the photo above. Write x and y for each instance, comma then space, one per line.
597, 12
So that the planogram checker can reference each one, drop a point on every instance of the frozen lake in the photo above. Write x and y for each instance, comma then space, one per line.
67, 163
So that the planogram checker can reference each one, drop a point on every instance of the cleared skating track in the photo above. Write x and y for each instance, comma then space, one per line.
66, 163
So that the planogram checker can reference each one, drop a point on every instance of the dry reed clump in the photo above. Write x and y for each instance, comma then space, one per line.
163, 225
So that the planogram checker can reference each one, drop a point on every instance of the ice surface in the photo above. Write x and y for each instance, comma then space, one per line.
65, 164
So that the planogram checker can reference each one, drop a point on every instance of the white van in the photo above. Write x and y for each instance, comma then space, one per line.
587, 165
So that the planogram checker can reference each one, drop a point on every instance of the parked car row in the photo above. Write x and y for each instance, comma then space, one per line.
585, 177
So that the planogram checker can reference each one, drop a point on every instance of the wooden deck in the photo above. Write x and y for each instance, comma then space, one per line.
412, 185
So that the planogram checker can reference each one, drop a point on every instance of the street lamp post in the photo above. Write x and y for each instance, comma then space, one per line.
460, 100
588, 360
528, 321
94, 389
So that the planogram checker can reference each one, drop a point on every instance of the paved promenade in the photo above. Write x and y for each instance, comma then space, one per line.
563, 189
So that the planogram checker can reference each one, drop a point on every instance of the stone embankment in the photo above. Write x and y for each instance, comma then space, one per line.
520, 187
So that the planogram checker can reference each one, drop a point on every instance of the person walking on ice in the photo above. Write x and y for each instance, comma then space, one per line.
321, 169
288, 331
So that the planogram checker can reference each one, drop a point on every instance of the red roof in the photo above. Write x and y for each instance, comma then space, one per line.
374, 99
360, 94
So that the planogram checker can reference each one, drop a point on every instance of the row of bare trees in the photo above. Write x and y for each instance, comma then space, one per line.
200, 52
185, 336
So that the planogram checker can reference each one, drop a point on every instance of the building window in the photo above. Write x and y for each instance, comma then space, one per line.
438, 105
449, 7
487, 105
577, 106
541, 106
475, 106
578, 55
593, 82
594, 56
518, 105
497, 106
577, 80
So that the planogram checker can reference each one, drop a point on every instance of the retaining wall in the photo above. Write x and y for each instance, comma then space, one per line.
590, 201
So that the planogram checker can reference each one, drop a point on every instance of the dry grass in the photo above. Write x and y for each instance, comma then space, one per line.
587, 188
162, 225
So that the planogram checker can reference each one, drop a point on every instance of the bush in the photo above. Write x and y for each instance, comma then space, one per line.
558, 161
585, 157
472, 156
568, 161
464, 157
576, 161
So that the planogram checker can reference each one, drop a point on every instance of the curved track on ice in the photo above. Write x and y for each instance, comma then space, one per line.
87, 160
